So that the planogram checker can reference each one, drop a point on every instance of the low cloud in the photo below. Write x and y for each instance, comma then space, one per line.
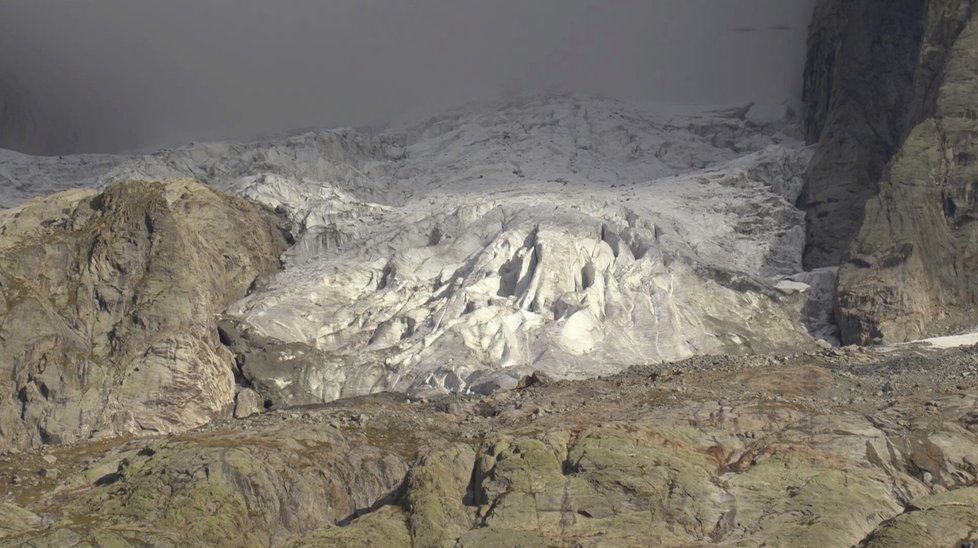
111, 75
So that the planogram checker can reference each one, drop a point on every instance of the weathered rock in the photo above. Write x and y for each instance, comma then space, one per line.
913, 269
247, 402
513, 538
889, 193
108, 302
385, 527
15, 520
239, 489
435, 488
948, 519
717, 450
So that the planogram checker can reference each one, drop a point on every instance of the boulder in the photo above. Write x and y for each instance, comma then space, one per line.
246, 403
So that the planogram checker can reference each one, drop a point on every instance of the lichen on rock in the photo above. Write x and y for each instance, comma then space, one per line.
108, 307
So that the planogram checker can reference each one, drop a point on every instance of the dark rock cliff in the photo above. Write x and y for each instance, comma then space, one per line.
858, 83
891, 88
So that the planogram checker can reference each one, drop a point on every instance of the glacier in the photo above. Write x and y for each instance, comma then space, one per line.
570, 235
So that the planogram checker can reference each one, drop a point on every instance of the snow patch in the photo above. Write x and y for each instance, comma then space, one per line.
943, 343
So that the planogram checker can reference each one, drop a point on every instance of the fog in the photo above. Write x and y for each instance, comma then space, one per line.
113, 75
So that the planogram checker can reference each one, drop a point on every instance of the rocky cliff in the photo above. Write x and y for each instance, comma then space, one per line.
108, 303
890, 193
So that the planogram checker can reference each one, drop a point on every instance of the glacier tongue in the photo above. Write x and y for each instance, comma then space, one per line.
566, 235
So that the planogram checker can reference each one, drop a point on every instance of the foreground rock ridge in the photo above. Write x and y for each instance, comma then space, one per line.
891, 92
834, 448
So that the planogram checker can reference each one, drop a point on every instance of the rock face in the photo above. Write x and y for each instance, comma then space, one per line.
108, 303
859, 85
833, 449
913, 265
892, 87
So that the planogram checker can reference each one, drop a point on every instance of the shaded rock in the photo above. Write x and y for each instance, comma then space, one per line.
913, 267
536, 379
858, 88
891, 88
279, 371
107, 301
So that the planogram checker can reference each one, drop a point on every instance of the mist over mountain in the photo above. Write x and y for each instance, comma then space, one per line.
114, 75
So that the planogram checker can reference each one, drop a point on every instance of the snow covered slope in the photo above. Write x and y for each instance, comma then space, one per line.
570, 235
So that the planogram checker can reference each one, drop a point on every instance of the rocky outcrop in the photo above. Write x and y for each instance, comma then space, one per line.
823, 449
108, 303
913, 269
891, 88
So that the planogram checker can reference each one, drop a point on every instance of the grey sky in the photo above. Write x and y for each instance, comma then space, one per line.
136, 73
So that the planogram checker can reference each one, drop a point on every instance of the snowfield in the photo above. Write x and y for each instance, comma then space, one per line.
574, 236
